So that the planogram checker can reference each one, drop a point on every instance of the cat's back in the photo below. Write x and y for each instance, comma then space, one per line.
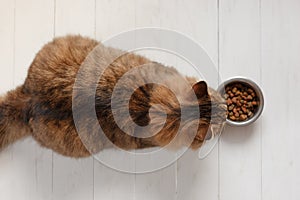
56, 64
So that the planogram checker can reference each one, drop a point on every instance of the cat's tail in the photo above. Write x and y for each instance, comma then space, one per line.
13, 117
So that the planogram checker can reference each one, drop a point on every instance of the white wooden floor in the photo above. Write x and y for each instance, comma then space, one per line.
259, 39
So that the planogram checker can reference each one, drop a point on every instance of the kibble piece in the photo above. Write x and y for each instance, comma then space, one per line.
243, 117
244, 109
234, 99
250, 114
229, 102
232, 118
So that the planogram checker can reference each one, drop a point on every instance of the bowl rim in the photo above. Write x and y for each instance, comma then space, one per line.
258, 91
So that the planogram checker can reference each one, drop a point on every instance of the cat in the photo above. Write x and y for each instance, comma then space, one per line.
42, 106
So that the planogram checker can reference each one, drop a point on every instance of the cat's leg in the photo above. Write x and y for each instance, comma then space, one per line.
58, 135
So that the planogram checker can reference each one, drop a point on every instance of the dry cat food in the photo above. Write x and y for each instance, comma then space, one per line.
242, 102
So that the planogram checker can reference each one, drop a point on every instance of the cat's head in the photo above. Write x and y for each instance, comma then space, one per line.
212, 109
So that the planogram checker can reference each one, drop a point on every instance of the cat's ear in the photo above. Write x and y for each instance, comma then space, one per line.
200, 89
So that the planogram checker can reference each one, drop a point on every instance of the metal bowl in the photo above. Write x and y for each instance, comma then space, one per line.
258, 91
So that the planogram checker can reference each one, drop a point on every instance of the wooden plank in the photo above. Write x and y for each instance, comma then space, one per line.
240, 148
32, 164
160, 184
7, 45
199, 178
75, 17
113, 17
6, 83
280, 81
72, 178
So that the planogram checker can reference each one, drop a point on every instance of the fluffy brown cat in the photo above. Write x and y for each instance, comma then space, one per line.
42, 106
